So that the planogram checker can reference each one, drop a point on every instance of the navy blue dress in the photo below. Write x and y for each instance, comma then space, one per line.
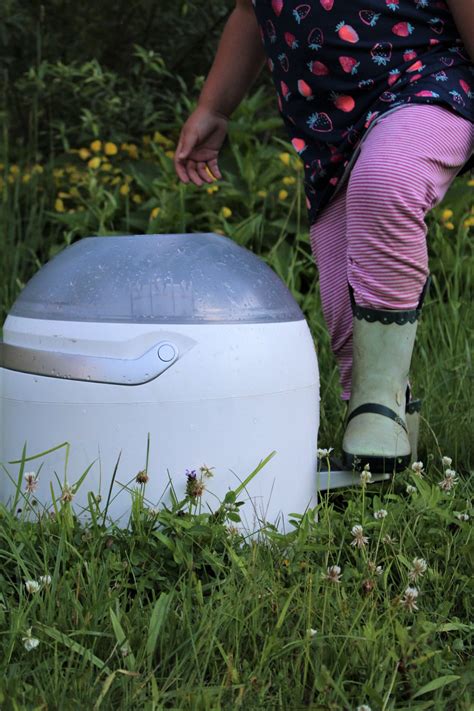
339, 65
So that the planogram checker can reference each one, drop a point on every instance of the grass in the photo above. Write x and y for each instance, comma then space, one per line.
179, 611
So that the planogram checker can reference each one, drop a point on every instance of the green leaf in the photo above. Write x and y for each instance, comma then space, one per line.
76, 647
157, 619
436, 684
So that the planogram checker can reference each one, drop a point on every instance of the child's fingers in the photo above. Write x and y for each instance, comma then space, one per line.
214, 168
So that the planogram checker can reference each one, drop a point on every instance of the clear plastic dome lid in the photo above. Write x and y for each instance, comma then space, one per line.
165, 278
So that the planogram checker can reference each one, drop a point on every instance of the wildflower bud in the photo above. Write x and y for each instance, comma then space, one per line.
142, 477
367, 586
32, 586
446, 461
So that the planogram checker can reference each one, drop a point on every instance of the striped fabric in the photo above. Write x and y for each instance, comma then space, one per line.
373, 233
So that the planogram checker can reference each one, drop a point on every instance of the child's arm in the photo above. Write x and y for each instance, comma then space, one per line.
239, 59
463, 15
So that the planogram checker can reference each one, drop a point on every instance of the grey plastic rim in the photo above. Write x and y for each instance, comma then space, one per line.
96, 369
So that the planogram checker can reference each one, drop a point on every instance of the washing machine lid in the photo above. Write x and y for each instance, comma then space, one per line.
163, 278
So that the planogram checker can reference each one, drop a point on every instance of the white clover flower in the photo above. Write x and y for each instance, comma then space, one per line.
32, 586
365, 475
333, 574
411, 489
377, 569
419, 567
31, 482
67, 493
450, 480
462, 516
410, 598
322, 453
381, 513
446, 461
30, 642
359, 539
364, 707
45, 579
206, 471
417, 467
311, 632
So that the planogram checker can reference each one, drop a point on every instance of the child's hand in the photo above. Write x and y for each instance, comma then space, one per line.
198, 147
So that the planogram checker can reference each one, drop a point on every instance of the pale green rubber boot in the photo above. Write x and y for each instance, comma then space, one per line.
412, 416
376, 429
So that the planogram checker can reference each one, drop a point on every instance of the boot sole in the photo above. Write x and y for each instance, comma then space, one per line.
378, 465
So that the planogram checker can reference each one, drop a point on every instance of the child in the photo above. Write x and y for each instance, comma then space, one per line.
377, 99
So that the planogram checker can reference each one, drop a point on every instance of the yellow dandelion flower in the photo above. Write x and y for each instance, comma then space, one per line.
128, 178
96, 146
84, 153
14, 169
132, 150
138, 199
289, 180
207, 170
469, 222
110, 149
155, 212
59, 205
226, 212
262, 193
94, 162
106, 166
170, 154
75, 177
26, 178
212, 189
37, 168
282, 195
124, 189
471, 182
64, 195
11, 179
58, 173
297, 164
449, 226
116, 181
446, 214
159, 138
285, 158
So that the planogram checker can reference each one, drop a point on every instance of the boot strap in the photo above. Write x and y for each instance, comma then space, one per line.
377, 409
413, 406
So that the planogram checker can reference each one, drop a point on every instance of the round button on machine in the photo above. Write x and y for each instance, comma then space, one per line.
166, 352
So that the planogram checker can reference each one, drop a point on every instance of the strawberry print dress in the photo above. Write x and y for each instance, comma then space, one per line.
340, 65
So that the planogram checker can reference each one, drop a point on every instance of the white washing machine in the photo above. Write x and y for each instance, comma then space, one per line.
186, 342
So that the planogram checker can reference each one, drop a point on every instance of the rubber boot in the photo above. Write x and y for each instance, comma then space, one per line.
376, 429
412, 415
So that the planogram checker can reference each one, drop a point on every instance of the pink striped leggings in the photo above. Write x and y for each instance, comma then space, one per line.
373, 234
